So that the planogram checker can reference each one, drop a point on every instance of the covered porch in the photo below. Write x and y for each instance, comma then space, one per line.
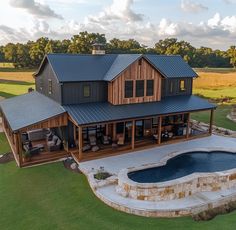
38, 134
106, 138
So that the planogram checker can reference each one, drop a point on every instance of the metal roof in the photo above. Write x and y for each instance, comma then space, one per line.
29, 109
171, 66
79, 67
103, 111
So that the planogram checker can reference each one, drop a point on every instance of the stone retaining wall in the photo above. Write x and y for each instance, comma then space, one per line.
174, 189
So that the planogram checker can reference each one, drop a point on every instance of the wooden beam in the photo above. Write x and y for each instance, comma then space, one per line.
114, 132
19, 148
133, 134
188, 125
80, 142
107, 129
74, 133
211, 121
159, 130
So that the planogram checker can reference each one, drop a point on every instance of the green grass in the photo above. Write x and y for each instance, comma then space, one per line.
14, 88
4, 146
220, 118
215, 70
51, 197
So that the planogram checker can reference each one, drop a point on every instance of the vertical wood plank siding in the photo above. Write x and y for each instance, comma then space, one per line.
116, 92
46, 74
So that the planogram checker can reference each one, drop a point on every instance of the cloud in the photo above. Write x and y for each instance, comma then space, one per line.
229, 1
192, 6
35, 8
117, 11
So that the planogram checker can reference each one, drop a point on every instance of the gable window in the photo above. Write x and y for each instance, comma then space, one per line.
182, 85
150, 88
86, 91
49, 86
139, 88
128, 89
41, 84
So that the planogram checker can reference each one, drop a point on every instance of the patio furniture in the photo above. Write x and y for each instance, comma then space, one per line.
120, 139
54, 144
86, 148
114, 145
95, 148
155, 136
37, 134
106, 140
32, 150
40, 146
93, 140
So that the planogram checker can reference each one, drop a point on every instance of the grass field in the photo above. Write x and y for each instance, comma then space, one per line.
4, 146
51, 197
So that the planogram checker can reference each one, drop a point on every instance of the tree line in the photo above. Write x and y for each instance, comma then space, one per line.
30, 54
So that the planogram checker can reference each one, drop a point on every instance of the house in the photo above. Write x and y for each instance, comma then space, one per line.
96, 105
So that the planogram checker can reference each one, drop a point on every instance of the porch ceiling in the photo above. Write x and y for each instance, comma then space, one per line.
90, 113
29, 109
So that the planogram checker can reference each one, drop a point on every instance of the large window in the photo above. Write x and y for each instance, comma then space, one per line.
128, 89
150, 88
49, 86
86, 91
139, 88
182, 85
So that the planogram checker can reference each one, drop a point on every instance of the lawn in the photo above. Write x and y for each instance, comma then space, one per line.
4, 147
51, 197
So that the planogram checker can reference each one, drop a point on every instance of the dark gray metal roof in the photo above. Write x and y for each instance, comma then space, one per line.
171, 66
77, 67
29, 109
102, 112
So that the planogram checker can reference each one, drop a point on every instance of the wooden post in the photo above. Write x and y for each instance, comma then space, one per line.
133, 134
188, 125
74, 133
19, 148
114, 132
80, 142
159, 130
107, 130
211, 121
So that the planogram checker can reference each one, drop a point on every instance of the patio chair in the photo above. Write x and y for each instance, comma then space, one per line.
93, 140
106, 140
120, 140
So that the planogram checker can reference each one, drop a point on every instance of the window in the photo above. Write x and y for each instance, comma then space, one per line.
86, 90
139, 88
49, 86
150, 84
41, 84
128, 89
182, 85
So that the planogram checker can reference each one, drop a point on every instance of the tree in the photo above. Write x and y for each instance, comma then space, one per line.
232, 55
82, 43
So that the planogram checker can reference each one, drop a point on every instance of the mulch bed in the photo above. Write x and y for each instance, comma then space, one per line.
67, 163
7, 157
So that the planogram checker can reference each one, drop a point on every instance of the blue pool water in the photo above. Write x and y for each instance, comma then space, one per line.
186, 164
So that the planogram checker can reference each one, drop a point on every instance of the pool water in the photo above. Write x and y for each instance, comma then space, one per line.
186, 164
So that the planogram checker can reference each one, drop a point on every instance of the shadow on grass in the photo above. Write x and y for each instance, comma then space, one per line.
13, 82
16, 70
7, 95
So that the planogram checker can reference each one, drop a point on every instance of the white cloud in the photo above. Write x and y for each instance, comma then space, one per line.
118, 10
192, 6
35, 8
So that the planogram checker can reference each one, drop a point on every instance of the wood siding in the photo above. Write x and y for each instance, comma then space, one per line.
42, 80
58, 121
175, 91
116, 88
73, 92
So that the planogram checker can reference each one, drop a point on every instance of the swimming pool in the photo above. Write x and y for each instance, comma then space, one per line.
186, 164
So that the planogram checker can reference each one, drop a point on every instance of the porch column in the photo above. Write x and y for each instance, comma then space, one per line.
107, 129
211, 121
74, 133
188, 125
114, 132
159, 130
80, 143
133, 133
19, 147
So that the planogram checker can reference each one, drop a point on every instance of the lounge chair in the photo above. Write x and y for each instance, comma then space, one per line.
120, 140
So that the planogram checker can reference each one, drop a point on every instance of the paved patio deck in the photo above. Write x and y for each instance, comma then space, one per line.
114, 164
170, 208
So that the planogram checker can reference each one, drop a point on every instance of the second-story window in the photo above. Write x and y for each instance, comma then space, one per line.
139, 88
182, 85
49, 86
128, 89
150, 88
86, 91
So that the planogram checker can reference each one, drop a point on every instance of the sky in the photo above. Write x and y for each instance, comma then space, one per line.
209, 23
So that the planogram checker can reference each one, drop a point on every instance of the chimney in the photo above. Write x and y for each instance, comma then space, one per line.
98, 49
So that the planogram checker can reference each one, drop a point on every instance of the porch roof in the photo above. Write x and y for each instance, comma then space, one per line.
29, 109
90, 113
